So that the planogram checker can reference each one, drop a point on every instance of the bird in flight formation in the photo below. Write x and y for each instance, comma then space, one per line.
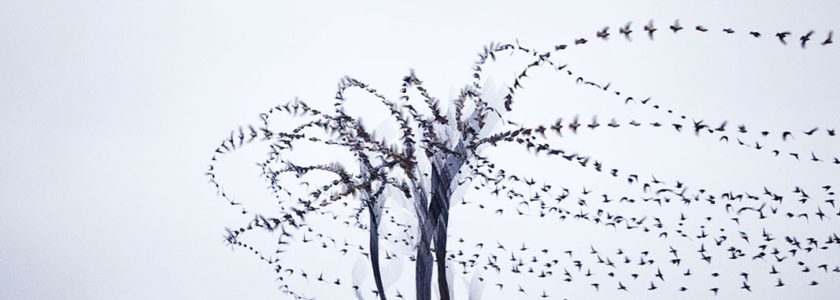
704, 234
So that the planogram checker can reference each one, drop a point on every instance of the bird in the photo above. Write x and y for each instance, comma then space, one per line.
626, 31
650, 29
805, 38
676, 26
745, 286
700, 28
574, 125
782, 36
786, 135
828, 39
659, 274
603, 33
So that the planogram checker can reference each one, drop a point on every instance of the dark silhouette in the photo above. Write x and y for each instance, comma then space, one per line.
438, 151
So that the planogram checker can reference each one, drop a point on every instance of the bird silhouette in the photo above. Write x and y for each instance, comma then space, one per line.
828, 40
676, 26
650, 29
805, 38
782, 36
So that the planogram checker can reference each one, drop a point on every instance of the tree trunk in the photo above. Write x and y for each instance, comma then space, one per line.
373, 240
441, 211
423, 279
374, 251
444, 171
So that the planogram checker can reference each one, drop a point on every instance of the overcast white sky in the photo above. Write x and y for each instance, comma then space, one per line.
110, 111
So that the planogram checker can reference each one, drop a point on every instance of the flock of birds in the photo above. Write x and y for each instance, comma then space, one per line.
737, 234
650, 29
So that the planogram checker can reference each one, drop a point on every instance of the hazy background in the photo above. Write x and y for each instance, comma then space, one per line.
110, 111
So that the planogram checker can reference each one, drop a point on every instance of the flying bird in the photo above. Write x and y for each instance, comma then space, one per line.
828, 39
650, 29
805, 38
676, 26
782, 36
625, 30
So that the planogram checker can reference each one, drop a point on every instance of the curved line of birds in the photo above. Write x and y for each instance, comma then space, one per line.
697, 126
584, 215
601, 34
644, 259
581, 215
491, 51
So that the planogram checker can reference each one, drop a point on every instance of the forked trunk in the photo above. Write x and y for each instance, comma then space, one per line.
444, 171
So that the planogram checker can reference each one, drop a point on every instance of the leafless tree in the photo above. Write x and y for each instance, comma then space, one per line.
437, 151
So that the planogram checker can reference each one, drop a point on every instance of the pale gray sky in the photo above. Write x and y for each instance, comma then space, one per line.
110, 111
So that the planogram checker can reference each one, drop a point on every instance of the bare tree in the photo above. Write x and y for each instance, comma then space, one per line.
437, 152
